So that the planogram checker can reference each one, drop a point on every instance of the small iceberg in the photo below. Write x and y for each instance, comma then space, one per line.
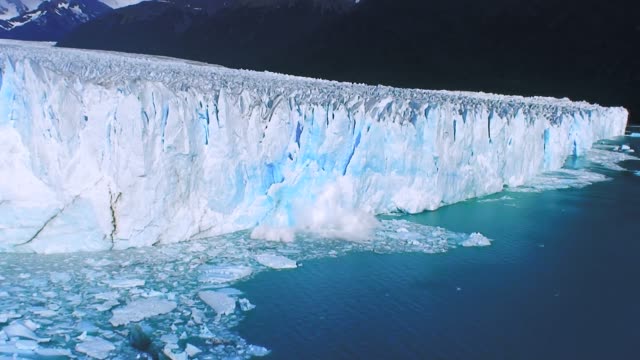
476, 239
276, 261
221, 303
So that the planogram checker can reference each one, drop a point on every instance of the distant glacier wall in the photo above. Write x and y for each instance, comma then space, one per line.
109, 151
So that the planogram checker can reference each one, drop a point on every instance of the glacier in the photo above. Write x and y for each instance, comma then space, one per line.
102, 150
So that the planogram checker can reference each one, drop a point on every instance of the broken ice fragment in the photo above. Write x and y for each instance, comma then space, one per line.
180, 356
192, 350
124, 283
141, 309
18, 330
245, 305
255, 350
55, 353
95, 347
220, 274
222, 304
476, 239
276, 261
6, 317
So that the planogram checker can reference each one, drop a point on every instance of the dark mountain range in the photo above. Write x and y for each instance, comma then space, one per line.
50, 20
577, 49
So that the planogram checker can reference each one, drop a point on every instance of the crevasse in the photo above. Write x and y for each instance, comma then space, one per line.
103, 151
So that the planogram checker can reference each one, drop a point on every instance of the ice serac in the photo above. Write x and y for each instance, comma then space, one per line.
108, 151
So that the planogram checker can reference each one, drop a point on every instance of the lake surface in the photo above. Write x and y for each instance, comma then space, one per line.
560, 281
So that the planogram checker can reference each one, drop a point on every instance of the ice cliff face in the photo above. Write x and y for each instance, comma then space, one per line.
108, 151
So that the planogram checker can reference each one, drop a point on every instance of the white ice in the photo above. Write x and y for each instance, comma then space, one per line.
124, 283
276, 261
220, 274
221, 303
476, 239
141, 309
112, 151
95, 347
18, 330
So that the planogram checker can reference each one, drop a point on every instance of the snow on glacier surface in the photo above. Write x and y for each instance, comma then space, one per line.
111, 151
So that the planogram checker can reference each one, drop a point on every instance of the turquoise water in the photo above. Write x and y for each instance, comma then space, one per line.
558, 282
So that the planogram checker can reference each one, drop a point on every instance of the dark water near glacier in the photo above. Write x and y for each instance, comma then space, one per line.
560, 281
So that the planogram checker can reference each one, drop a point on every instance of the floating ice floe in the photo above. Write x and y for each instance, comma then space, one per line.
107, 305
245, 305
168, 352
254, 350
192, 350
53, 352
634, 135
95, 347
476, 239
6, 317
221, 303
124, 283
18, 330
141, 309
59, 277
276, 261
220, 274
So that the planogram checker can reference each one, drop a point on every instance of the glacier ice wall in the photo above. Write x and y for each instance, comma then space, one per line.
102, 150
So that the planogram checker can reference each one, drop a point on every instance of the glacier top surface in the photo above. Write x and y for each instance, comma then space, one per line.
118, 69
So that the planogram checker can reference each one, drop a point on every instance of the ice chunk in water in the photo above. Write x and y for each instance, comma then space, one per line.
54, 353
220, 274
257, 350
107, 305
141, 309
124, 283
5, 317
276, 261
245, 305
222, 304
18, 330
57, 277
172, 356
26, 344
192, 350
95, 347
476, 239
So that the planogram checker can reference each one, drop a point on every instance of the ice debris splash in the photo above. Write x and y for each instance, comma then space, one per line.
176, 300
112, 151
